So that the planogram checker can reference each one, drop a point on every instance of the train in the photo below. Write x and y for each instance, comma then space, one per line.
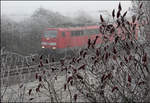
60, 39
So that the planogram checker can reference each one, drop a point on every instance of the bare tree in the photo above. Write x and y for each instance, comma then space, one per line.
144, 12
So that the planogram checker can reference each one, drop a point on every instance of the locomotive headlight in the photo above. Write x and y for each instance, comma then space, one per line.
43, 47
53, 48
47, 38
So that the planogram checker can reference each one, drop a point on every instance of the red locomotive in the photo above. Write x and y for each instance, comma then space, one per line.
60, 38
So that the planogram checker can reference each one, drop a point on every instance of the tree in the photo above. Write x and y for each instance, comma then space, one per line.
144, 12
83, 18
115, 71
9, 33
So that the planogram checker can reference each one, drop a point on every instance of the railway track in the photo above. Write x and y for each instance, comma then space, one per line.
13, 64
26, 70
26, 74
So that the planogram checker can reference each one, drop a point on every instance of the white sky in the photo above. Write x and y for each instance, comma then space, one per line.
26, 8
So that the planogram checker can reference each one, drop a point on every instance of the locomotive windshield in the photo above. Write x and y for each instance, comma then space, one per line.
50, 33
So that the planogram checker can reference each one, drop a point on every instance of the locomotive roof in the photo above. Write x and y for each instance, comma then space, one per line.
75, 28
78, 28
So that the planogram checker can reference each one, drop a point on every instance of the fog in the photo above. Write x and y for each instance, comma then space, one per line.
19, 10
75, 51
23, 21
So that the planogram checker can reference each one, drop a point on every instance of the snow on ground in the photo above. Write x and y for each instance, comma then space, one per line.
16, 94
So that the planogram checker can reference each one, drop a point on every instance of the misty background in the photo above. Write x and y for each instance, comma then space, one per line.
22, 22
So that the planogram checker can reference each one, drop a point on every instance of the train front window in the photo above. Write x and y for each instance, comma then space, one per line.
51, 34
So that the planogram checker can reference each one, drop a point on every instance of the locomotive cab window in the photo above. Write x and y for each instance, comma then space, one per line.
63, 34
91, 31
97, 31
76, 33
50, 34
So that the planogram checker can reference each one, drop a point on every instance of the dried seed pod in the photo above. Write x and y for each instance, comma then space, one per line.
53, 69
122, 21
71, 82
113, 67
101, 29
142, 82
121, 63
73, 59
144, 58
74, 71
124, 14
112, 30
106, 56
40, 78
105, 37
132, 43
47, 61
36, 75
127, 45
125, 58
114, 50
103, 85
95, 40
96, 61
41, 64
101, 18
53, 60
118, 23
55, 77
116, 39
129, 78
133, 27
69, 79
75, 97
114, 88
141, 5
105, 48
128, 52
133, 18
82, 67
113, 13
128, 23
65, 85
109, 76
31, 98
114, 57
85, 53
37, 89
102, 78
97, 53
147, 69
79, 76
44, 72
118, 14
138, 18
62, 62
30, 90
110, 26
78, 60
40, 85
130, 57
21, 86
89, 43
81, 52
41, 56
33, 59
119, 7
